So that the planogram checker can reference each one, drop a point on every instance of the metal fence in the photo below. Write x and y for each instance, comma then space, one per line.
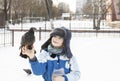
72, 24
13, 35
5, 37
44, 34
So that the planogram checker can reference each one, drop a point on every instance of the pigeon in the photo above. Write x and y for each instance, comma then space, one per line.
28, 40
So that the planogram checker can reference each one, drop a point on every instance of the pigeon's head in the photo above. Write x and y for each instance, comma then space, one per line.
32, 30
28, 38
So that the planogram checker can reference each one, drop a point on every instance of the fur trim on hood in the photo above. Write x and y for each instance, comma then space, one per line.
66, 34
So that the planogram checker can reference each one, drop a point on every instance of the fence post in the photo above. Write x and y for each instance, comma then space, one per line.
12, 37
40, 33
96, 32
4, 36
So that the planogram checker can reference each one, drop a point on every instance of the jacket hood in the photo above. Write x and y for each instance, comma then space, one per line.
66, 34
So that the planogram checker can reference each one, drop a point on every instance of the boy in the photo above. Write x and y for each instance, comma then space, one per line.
55, 62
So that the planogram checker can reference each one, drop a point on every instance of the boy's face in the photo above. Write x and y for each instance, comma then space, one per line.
57, 41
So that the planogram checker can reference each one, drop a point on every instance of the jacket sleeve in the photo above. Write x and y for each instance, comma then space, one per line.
39, 64
74, 75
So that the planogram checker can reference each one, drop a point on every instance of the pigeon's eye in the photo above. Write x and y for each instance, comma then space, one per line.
29, 47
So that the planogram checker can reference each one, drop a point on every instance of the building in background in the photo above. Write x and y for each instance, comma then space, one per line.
79, 6
113, 13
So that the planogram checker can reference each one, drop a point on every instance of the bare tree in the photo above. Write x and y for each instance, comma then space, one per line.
98, 9
102, 10
118, 4
55, 12
4, 8
63, 8
18, 9
49, 4
21, 8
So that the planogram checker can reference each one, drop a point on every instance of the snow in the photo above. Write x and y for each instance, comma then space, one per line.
73, 24
98, 59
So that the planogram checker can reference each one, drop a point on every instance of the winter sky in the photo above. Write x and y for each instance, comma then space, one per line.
71, 3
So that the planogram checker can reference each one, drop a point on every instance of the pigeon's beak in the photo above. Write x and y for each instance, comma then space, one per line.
20, 47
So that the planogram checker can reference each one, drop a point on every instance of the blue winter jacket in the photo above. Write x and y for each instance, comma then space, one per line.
45, 65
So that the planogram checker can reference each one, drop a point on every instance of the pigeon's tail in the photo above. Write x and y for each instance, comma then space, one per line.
28, 71
23, 55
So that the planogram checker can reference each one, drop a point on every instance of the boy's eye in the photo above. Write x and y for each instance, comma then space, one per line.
60, 38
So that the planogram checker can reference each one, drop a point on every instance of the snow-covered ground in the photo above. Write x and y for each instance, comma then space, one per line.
98, 59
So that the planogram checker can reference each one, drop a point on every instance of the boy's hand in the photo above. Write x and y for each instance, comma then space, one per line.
29, 53
58, 78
